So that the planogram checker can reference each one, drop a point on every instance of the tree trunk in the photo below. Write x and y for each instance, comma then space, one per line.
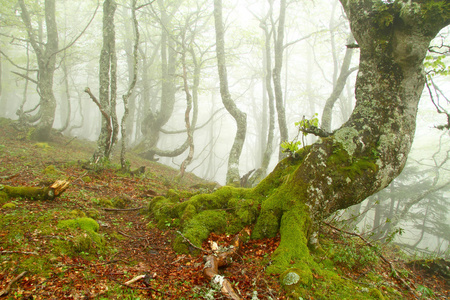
46, 59
279, 48
239, 116
108, 87
154, 121
133, 78
268, 90
339, 85
338, 171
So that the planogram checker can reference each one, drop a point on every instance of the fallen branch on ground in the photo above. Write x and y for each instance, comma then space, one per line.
36, 193
10, 176
214, 261
122, 209
8, 288
18, 252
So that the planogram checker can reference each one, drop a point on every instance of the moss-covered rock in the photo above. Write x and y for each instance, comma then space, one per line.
104, 202
76, 213
93, 213
9, 205
86, 237
121, 202
84, 223
86, 179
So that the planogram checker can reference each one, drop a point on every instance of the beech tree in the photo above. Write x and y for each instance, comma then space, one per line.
108, 85
46, 60
342, 168
239, 116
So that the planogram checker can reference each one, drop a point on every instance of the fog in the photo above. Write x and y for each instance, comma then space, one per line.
315, 42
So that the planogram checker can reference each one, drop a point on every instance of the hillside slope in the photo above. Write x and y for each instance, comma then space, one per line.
98, 235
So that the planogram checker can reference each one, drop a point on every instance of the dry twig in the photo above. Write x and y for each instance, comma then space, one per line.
8, 288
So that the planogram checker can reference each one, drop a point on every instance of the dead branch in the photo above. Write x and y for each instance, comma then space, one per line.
10, 176
102, 111
37, 193
18, 252
315, 131
137, 278
8, 288
123, 209
216, 260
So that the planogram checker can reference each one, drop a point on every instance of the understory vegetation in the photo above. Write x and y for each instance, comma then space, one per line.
109, 227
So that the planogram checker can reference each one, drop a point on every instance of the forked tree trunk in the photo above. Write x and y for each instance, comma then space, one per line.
46, 59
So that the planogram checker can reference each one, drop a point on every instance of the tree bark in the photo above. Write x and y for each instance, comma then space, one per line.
46, 59
239, 116
279, 102
339, 85
108, 85
133, 77
267, 62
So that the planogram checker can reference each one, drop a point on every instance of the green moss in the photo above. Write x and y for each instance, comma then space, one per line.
50, 170
121, 202
104, 202
86, 179
76, 213
3, 197
198, 228
376, 294
267, 224
344, 164
8, 205
25, 192
188, 213
86, 241
295, 281
84, 223
93, 213
172, 195
293, 250
43, 146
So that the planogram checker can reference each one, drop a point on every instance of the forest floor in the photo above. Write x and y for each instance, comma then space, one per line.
64, 263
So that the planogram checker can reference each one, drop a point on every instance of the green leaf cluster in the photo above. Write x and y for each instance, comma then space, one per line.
295, 145
436, 65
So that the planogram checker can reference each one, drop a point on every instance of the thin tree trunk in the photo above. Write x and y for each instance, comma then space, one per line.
130, 88
339, 85
279, 48
239, 116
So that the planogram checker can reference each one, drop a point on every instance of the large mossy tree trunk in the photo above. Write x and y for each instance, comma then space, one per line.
341, 170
